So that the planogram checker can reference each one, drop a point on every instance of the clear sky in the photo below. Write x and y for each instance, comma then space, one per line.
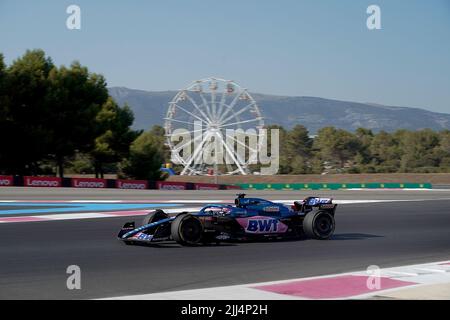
287, 47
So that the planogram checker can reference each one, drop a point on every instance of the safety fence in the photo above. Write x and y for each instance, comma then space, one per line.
332, 186
55, 182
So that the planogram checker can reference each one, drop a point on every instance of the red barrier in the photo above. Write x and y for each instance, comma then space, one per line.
165, 185
131, 184
42, 182
229, 187
206, 186
88, 183
6, 181
30, 181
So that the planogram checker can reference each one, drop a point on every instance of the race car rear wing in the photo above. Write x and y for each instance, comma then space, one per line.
313, 202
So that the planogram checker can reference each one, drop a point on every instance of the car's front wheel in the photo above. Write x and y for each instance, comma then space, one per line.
187, 230
319, 225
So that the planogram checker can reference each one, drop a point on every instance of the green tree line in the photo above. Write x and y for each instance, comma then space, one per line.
363, 151
56, 119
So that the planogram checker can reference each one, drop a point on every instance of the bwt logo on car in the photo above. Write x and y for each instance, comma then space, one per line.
262, 225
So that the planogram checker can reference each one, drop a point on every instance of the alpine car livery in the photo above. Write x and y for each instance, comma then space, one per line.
249, 219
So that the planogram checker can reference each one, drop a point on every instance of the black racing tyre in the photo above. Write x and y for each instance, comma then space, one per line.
319, 225
187, 230
154, 216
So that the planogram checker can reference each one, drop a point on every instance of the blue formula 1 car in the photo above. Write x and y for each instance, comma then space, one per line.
249, 219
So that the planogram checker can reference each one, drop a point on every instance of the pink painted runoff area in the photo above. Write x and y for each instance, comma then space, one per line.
21, 219
332, 287
127, 213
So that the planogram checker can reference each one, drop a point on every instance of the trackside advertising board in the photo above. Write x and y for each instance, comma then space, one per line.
6, 181
206, 186
50, 182
88, 183
132, 184
56, 182
165, 185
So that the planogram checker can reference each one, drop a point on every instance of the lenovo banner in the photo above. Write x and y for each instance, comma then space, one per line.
6, 181
166, 185
206, 186
42, 182
88, 183
132, 184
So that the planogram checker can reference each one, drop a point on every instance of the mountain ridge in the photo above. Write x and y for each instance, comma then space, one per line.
150, 107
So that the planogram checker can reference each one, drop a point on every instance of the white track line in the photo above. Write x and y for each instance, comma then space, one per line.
88, 215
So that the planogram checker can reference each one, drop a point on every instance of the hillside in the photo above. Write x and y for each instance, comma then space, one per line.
314, 113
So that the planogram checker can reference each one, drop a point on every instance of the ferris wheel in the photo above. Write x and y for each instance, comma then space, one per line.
206, 109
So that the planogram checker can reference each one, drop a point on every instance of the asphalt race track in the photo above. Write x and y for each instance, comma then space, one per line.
34, 256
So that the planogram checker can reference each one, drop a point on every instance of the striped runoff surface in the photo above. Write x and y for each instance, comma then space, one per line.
352, 285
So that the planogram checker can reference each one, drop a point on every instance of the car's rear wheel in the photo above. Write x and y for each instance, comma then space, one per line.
187, 230
154, 216
319, 225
